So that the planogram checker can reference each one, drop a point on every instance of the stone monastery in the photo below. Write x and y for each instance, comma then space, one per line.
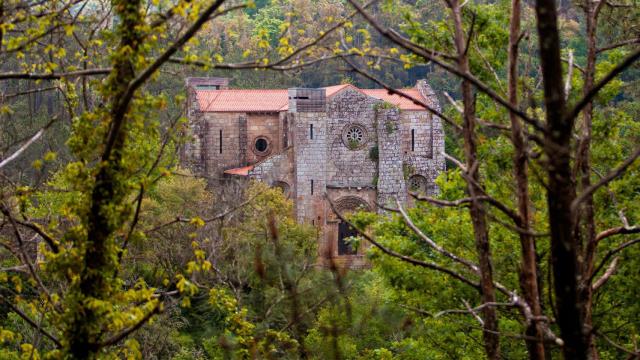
359, 147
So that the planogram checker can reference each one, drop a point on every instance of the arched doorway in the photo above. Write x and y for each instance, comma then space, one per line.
286, 189
346, 205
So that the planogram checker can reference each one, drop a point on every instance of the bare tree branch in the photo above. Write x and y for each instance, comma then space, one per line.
615, 173
567, 84
433, 57
399, 256
607, 274
480, 121
617, 346
573, 113
54, 76
473, 267
620, 230
26, 318
609, 254
619, 44
26, 145
473, 312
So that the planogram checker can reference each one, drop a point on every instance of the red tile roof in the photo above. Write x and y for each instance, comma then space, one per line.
246, 100
242, 171
397, 100
276, 100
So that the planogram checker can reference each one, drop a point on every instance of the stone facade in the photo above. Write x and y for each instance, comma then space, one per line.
391, 182
365, 147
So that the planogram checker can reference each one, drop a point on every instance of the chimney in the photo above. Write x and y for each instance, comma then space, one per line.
207, 83
307, 100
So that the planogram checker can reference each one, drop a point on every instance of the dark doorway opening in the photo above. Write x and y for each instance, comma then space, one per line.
344, 232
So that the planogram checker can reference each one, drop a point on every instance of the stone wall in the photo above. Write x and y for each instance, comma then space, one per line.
276, 168
429, 161
265, 126
350, 166
207, 156
310, 154
191, 152
217, 156
416, 134
391, 182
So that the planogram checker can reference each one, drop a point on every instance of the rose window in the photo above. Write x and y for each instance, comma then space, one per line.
354, 136
418, 184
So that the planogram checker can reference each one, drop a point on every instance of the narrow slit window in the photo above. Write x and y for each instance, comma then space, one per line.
311, 187
220, 141
413, 139
311, 131
431, 141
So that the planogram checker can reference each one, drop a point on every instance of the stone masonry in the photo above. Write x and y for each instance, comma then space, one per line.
356, 146
391, 182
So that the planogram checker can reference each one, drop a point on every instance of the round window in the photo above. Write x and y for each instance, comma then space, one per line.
261, 145
418, 184
354, 136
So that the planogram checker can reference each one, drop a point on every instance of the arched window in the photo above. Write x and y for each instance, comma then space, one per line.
286, 189
346, 205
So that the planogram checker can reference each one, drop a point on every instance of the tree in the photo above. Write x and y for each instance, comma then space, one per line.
118, 149
571, 225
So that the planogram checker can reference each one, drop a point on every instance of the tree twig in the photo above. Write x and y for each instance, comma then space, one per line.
26, 145
615, 173
605, 80
30, 321
399, 256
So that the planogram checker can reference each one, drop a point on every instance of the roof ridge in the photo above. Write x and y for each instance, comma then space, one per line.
221, 90
276, 100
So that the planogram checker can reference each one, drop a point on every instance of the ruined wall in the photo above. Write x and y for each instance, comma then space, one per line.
276, 169
427, 159
391, 181
350, 166
190, 152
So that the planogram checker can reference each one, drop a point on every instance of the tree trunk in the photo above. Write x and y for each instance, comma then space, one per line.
477, 211
561, 190
108, 193
528, 269
585, 223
